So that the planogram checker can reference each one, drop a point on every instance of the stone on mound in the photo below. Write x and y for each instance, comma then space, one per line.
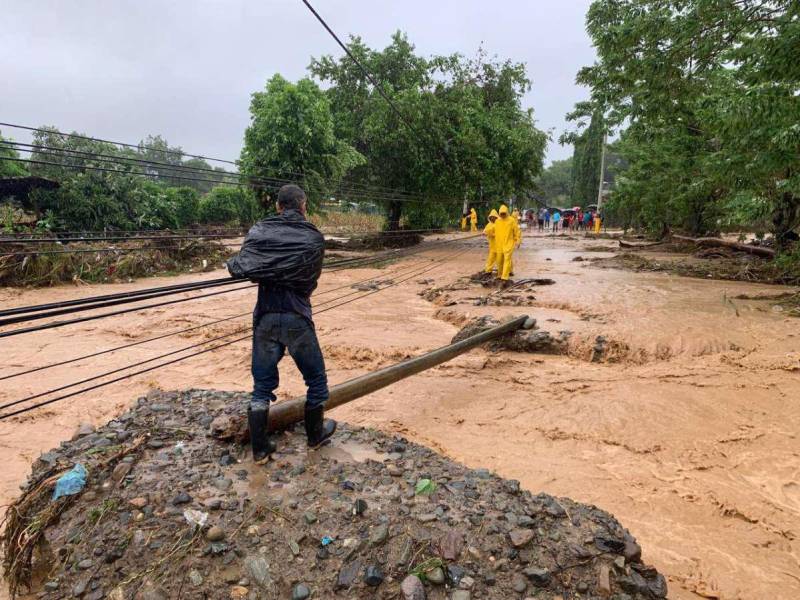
169, 511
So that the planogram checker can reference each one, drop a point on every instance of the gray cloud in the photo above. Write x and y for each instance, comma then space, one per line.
186, 68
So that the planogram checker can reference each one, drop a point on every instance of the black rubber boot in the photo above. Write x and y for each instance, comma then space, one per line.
260, 441
318, 430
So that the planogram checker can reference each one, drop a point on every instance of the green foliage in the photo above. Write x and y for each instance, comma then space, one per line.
292, 132
186, 201
586, 162
228, 205
554, 185
463, 132
8, 168
708, 91
424, 487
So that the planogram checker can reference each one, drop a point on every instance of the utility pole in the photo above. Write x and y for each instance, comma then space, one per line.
602, 172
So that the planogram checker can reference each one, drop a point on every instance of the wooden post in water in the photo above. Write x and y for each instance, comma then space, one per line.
283, 414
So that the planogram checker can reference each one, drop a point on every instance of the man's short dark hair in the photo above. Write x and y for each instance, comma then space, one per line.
291, 196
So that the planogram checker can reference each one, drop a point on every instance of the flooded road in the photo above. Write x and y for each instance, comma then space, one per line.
686, 431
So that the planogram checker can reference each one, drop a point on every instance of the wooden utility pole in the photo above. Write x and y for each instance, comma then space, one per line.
283, 414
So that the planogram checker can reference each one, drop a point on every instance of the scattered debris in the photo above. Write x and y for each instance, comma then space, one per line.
474, 533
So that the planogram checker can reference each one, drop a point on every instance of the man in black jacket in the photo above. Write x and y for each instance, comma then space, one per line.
284, 254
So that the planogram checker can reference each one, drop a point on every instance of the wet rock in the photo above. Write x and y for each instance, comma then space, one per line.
604, 580
435, 576
632, 551
608, 544
359, 507
139, 502
379, 535
215, 534
300, 592
222, 483
373, 576
120, 471
451, 545
348, 574
455, 573
538, 576
520, 537
258, 569
79, 589
181, 498
412, 588
83, 429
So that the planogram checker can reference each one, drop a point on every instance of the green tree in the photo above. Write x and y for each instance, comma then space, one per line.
7, 167
708, 92
187, 204
291, 134
230, 205
554, 185
587, 154
461, 132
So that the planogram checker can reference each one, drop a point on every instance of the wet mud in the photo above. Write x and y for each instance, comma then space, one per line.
685, 428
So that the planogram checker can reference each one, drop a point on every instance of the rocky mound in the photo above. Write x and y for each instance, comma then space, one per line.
168, 511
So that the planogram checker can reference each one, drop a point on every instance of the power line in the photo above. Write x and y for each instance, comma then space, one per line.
89, 303
370, 196
55, 324
173, 361
265, 179
162, 336
123, 144
140, 147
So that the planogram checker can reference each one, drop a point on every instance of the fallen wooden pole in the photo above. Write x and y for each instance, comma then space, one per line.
720, 243
283, 414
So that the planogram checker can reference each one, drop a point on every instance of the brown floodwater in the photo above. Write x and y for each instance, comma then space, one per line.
687, 432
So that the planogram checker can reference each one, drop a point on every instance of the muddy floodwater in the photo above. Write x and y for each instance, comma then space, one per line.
686, 430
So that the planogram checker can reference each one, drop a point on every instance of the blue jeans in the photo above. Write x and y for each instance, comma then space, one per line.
275, 333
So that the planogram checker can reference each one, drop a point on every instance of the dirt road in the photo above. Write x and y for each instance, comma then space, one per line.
689, 436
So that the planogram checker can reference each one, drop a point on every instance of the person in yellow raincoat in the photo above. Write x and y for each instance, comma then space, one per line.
507, 237
473, 219
488, 231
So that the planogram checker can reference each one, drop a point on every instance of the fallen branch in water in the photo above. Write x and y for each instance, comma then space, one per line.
719, 242
624, 244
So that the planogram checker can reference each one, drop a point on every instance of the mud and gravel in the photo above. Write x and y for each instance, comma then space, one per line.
180, 514
685, 428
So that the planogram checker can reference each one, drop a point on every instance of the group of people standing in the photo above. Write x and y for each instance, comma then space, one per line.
472, 217
504, 236
573, 220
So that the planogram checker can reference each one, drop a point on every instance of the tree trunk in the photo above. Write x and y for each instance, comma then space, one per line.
785, 217
393, 214
718, 242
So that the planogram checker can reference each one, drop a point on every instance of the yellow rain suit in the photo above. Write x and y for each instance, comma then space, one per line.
488, 231
507, 236
473, 219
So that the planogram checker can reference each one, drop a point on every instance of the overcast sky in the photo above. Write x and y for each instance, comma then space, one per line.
186, 68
